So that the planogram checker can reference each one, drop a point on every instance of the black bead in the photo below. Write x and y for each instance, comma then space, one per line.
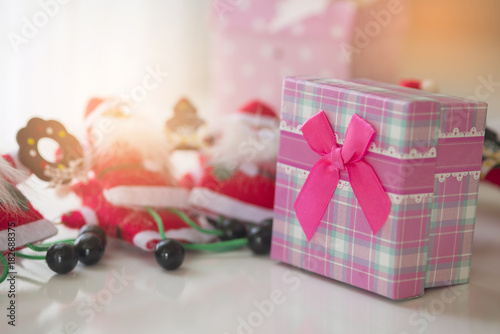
95, 229
267, 222
213, 222
169, 254
223, 223
259, 239
61, 258
232, 229
89, 247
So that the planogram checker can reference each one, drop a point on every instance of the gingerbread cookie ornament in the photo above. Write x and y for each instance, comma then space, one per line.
68, 165
186, 130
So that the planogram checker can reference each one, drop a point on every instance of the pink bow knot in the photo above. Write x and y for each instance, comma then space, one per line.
317, 191
336, 158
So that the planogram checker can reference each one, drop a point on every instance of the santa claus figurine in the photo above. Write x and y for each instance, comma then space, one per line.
20, 223
130, 184
238, 178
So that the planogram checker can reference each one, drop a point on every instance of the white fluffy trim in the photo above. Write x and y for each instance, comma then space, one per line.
261, 120
142, 196
245, 142
25, 171
29, 233
211, 201
8, 174
89, 215
130, 136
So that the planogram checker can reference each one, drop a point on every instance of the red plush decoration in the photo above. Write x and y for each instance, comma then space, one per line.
238, 178
19, 221
426, 84
129, 172
490, 167
410, 83
493, 177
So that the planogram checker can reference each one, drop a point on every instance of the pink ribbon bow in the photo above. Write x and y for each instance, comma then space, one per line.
313, 199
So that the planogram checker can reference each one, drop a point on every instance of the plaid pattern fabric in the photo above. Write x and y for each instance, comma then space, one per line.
455, 193
455, 190
398, 125
344, 247
426, 240
452, 228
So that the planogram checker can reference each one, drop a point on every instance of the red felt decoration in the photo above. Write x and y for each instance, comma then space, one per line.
129, 172
20, 223
237, 179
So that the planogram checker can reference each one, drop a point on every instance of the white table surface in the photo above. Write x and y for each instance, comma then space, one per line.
225, 293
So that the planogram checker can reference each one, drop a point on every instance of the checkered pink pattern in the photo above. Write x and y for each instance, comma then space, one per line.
427, 154
250, 56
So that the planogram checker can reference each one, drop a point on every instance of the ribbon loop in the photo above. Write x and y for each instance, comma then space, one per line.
319, 134
358, 137
320, 185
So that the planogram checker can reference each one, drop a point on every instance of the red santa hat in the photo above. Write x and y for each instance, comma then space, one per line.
97, 106
257, 113
29, 224
92, 105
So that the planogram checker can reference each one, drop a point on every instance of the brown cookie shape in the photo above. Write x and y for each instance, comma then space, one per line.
185, 116
184, 124
71, 152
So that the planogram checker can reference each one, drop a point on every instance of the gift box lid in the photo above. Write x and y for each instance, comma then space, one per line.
448, 127
408, 123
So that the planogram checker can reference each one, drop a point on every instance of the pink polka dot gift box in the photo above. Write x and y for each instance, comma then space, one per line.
377, 184
255, 43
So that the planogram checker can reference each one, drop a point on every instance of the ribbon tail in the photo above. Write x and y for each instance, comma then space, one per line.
315, 195
370, 193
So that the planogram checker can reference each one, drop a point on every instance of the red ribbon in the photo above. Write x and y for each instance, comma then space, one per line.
315, 195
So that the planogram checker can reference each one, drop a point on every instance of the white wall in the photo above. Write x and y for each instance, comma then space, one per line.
96, 47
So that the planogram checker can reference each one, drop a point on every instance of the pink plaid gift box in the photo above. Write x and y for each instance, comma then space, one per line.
255, 43
426, 154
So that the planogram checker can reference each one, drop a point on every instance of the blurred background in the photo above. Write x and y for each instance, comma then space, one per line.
89, 48
455, 42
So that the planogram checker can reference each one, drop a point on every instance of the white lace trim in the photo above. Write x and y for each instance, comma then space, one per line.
457, 134
459, 175
303, 174
418, 198
414, 154
389, 152
345, 185
286, 127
